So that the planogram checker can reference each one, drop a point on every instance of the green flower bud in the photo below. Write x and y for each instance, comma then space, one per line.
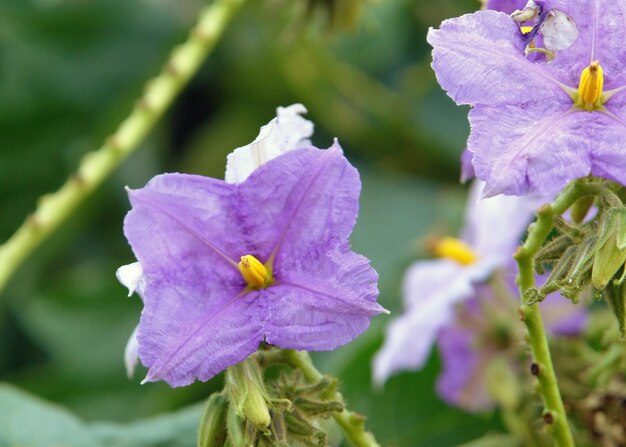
212, 431
581, 207
611, 249
246, 391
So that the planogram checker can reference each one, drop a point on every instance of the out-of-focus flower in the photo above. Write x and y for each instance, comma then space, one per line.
227, 266
484, 330
432, 288
536, 125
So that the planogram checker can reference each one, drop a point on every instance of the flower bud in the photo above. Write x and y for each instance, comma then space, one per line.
611, 249
246, 391
212, 431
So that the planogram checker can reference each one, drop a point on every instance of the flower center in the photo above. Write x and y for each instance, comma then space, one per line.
256, 275
455, 249
590, 88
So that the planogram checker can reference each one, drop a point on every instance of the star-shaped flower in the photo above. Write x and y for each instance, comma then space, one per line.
537, 124
228, 266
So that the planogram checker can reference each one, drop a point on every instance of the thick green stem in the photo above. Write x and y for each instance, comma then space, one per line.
548, 386
352, 424
53, 209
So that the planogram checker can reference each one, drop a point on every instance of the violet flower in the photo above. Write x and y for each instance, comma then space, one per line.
537, 125
228, 266
433, 288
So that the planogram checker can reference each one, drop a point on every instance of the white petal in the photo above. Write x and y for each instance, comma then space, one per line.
495, 225
559, 31
285, 132
130, 276
131, 353
530, 11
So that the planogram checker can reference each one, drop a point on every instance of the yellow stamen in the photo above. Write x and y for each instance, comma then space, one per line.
257, 276
455, 249
526, 30
590, 87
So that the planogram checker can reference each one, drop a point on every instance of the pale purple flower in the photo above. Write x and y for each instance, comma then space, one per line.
485, 331
432, 288
294, 213
531, 130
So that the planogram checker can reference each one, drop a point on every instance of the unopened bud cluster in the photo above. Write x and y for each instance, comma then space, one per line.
588, 252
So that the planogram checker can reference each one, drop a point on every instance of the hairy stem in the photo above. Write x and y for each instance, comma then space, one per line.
352, 424
554, 413
53, 209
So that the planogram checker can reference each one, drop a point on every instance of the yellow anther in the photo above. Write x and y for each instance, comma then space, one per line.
526, 29
455, 249
590, 87
255, 274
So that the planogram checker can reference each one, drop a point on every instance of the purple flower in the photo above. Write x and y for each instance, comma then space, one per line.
433, 288
484, 332
228, 266
537, 125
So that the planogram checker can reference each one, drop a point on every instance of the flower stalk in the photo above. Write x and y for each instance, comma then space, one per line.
531, 315
53, 209
352, 424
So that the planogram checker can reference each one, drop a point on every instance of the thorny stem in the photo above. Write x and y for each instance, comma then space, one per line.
53, 209
531, 315
352, 424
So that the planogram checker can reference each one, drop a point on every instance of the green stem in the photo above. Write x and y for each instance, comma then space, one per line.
531, 315
352, 424
53, 209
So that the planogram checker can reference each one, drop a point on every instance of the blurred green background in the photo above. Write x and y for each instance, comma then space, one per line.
69, 73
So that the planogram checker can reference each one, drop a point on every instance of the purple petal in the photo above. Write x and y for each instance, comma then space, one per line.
494, 226
184, 334
431, 289
325, 308
479, 59
467, 167
507, 6
536, 148
606, 135
316, 194
461, 382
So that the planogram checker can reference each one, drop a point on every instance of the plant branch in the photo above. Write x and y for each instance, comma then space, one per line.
537, 233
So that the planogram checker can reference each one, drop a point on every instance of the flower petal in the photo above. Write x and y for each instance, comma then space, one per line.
181, 222
131, 277
131, 353
186, 335
479, 59
314, 192
285, 132
535, 148
431, 290
494, 226
323, 308
461, 382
